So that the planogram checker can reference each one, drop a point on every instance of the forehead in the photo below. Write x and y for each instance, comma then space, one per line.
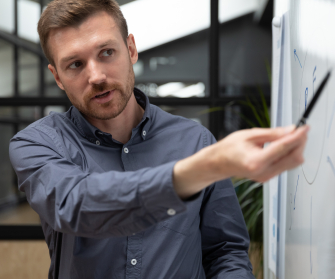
97, 28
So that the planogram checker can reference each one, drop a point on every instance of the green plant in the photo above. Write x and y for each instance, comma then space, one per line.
250, 193
250, 197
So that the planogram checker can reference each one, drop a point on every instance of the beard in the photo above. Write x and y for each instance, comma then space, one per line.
113, 108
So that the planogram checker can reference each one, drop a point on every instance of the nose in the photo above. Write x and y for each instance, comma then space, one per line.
96, 73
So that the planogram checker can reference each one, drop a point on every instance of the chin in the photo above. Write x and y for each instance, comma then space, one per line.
104, 113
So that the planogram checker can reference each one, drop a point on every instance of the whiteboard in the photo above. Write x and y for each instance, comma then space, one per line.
309, 240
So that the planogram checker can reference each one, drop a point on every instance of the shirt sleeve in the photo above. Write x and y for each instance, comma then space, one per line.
225, 239
86, 204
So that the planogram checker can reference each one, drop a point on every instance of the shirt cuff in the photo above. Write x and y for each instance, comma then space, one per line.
157, 193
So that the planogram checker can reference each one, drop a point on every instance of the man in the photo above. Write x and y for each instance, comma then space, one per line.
123, 189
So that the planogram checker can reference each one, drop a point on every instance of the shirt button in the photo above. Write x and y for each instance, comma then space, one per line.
126, 150
133, 261
171, 212
97, 142
144, 133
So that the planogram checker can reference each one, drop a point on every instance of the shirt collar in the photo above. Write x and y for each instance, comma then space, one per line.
92, 133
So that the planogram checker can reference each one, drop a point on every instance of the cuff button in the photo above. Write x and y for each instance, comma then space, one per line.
171, 212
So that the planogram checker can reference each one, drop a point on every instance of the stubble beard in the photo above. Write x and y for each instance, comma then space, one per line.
114, 107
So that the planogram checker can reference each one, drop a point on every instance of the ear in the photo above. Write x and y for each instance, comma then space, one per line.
56, 76
133, 54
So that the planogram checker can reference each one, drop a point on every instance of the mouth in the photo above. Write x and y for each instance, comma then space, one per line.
101, 95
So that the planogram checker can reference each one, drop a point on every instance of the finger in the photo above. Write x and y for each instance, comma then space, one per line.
285, 145
262, 135
288, 162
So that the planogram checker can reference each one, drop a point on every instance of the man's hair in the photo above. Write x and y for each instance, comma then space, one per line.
65, 13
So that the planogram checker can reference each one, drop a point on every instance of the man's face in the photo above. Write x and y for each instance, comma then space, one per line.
94, 66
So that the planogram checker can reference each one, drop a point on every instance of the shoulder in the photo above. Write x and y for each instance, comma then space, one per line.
47, 125
164, 121
48, 122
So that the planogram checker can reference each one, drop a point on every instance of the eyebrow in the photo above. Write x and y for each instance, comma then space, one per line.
68, 58
102, 45
106, 43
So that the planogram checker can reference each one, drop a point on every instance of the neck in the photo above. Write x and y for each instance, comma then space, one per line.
121, 126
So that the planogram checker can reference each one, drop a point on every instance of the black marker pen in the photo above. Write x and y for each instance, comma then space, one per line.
310, 106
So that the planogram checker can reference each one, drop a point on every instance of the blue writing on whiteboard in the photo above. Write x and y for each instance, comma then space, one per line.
331, 164
296, 55
296, 189
274, 230
274, 252
314, 79
306, 97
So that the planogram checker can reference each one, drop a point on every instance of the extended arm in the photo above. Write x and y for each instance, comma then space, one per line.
241, 154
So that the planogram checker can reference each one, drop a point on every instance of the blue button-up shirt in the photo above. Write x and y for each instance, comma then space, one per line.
109, 210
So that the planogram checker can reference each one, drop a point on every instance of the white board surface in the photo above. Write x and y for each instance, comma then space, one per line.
309, 241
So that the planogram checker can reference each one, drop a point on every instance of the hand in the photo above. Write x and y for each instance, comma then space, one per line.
242, 154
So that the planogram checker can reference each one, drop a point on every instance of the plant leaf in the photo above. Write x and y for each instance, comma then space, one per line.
238, 183
265, 107
247, 202
250, 189
254, 110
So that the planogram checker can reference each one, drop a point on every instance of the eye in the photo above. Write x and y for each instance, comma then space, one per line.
107, 52
75, 65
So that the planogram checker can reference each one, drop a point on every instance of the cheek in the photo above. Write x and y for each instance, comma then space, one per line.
73, 85
120, 69
116, 73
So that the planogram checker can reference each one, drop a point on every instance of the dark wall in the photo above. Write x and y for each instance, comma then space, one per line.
191, 60
244, 48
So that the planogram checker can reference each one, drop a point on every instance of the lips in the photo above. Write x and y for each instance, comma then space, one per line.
103, 97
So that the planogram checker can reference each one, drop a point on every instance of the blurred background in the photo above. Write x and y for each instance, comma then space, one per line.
207, 60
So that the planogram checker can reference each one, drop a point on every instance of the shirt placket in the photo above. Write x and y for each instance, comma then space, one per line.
134, 256
134, 242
